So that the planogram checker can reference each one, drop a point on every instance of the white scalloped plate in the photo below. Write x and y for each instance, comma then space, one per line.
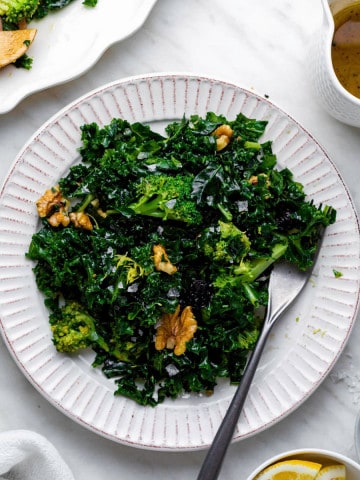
68, 42
304, 345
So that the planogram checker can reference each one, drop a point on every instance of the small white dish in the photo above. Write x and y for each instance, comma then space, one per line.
68, 43
325, 457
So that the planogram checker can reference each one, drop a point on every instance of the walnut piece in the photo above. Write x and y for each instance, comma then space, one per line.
175, 330
81, 220
59, 218
161, 260
223, 133
54, 206
51, 201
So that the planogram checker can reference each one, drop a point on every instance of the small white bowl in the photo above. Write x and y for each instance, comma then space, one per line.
331, 94
325, 457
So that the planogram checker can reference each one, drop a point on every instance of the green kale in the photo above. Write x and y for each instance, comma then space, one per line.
24, 62
47, 6
177, 225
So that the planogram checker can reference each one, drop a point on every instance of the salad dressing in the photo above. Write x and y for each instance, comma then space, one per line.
345, 49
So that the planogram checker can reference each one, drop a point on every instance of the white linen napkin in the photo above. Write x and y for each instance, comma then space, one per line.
26, 455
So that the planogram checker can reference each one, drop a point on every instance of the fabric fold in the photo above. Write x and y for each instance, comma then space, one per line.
27, 455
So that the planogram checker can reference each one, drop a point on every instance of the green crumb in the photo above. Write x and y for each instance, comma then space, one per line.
319, 330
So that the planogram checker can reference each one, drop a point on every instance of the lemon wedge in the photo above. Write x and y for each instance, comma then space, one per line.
332, 472
14, 43
290, 470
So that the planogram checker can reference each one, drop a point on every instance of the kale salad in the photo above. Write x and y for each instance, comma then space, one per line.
155, 250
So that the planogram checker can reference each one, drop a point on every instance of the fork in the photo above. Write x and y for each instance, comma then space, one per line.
285, 283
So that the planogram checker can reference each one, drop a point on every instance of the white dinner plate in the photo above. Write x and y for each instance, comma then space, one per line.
68, 42
302, 348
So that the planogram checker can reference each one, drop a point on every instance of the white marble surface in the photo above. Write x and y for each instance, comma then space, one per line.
261, 45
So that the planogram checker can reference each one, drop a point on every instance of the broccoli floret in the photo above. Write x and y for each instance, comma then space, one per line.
224, 243
247, 340
250, 269
73, 329
243, 276
299, 248
167, 197
228, 245
225, 284
16, 10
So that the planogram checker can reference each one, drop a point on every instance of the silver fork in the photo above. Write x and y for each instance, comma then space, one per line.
285, 283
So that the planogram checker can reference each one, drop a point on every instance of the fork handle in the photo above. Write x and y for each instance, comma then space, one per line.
213, 461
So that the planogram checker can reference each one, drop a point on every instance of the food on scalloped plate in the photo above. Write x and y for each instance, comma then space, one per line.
14, 44
15, 38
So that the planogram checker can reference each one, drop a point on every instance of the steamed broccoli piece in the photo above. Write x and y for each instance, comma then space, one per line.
228, 245
247, 340
16, 10
167, 197
73, 329
251, 269
243, 276
224, 243
227, 284
242, 269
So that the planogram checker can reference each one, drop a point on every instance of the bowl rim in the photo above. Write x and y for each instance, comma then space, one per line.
341, 458
357, 435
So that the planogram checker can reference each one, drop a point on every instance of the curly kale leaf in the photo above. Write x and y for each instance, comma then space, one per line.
47, 6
